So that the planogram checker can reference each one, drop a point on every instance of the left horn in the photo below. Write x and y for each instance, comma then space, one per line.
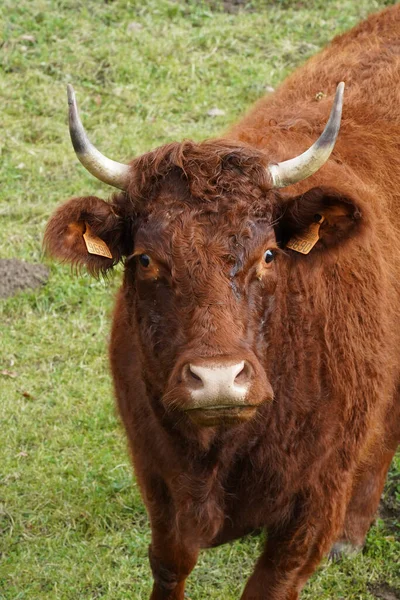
105, 169
305, 165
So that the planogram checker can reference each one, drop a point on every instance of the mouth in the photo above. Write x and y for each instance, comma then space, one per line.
217, 415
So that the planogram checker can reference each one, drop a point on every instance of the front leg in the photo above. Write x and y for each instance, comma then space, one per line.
279, 570
171, 561
172, 553
292, 554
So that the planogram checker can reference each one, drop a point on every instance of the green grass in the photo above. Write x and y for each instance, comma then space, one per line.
72, 524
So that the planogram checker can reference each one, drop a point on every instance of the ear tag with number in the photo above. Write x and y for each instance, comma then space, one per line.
94, 244
304, 242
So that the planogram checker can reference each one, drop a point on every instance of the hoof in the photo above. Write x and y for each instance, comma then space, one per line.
342, 549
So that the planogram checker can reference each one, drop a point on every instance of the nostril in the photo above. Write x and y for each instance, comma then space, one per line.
193, 374
244, 375
192, 379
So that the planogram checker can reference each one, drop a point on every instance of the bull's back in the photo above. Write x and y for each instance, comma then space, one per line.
367, 59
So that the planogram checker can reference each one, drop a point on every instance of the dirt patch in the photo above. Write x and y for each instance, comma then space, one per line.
16, 275
389, 508
384, 592
233, 6
229, 6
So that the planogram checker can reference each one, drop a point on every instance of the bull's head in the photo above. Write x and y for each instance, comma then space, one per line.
202, 230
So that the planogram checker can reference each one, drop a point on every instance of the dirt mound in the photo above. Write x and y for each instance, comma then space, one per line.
16, 275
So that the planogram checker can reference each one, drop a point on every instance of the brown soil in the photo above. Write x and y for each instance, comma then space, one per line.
389, 509
229, 6
233, 6
16, 275
384, 592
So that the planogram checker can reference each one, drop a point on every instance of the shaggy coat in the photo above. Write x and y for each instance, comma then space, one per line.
308, 459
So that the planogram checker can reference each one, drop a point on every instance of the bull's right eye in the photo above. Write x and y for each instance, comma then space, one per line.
269, 256
144, 260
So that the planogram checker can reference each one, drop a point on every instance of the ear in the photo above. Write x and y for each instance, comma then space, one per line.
87, 231
340, 219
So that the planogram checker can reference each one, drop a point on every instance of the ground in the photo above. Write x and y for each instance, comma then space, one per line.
16, 275
146, 72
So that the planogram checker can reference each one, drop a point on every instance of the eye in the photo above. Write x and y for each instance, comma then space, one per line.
144, 260
269, 256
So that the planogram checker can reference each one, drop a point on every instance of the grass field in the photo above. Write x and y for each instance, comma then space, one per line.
72, 524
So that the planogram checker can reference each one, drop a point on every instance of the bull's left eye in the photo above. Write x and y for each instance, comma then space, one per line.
144, 260
269, 256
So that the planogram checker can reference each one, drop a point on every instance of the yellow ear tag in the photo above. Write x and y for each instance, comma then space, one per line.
94, 244
306, 241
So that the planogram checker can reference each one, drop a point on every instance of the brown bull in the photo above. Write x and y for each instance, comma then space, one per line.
256, 342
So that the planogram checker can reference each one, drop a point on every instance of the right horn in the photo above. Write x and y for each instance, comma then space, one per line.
105, 169
306, 164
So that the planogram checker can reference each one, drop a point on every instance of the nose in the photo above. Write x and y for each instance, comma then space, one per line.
218, 385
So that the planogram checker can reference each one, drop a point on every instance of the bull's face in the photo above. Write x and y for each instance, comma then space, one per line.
204, 286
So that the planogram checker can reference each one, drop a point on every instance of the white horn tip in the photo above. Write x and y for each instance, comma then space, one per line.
70, 94
339, 93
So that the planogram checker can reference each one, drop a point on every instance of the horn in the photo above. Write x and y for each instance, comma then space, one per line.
301, 167
105, 169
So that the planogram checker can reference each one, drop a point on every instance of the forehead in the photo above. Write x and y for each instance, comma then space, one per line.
176, 221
